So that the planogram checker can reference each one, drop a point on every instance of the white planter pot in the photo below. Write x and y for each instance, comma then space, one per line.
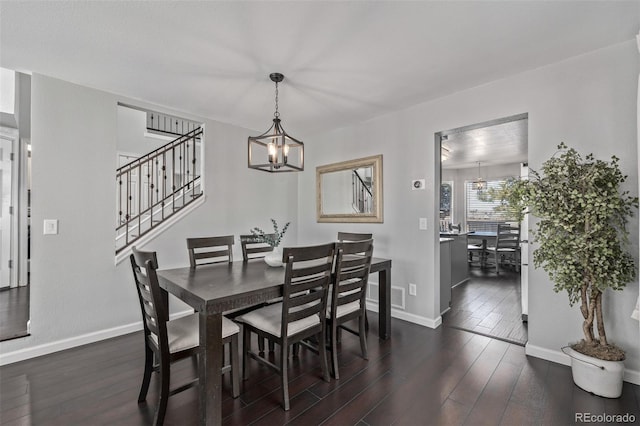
274, 258
602, 378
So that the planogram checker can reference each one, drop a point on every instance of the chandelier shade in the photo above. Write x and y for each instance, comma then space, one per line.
275, 151
479, 184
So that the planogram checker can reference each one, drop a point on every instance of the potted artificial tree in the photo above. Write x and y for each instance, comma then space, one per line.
582, 243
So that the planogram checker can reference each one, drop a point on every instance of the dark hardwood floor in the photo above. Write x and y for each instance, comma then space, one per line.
489, 304
418, 377
14, 312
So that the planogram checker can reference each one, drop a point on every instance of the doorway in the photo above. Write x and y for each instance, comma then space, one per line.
487, 293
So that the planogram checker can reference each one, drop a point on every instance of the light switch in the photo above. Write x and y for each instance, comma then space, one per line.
50, 226
423, 223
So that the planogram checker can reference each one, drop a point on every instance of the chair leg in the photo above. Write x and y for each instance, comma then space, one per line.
146, 378
272, 346
260, 345
235, 363
322, 352
284, 369
246, 346
334, 351
497, 263
164, 393
363, 338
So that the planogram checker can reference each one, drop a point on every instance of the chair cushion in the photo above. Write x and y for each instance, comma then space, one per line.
182, 332
345, 309
269, 319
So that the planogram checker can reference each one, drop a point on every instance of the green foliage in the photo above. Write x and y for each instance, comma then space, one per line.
582, 232
510, 205
272, 239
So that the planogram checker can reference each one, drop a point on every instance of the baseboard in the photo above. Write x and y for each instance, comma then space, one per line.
631, 376
72, 342
406, 316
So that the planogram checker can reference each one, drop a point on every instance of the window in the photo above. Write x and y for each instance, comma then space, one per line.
485, 209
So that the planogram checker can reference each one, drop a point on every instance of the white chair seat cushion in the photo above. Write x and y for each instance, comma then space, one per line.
269, 319
345, 309
502, 249
182, 332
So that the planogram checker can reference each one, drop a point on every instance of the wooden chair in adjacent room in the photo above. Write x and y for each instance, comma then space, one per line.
348, 293
299, 316
169, 341
210, 249
507, 246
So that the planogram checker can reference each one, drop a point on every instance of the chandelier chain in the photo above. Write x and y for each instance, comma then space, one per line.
276, 114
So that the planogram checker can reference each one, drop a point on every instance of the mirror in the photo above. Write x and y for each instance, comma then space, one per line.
350, 191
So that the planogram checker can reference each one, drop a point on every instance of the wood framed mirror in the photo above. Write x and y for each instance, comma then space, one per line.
350, 191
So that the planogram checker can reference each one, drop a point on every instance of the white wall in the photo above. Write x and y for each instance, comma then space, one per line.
589, 102
77, 294
132, 125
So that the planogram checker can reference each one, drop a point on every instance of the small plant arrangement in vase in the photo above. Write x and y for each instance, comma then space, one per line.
275, 257
582, 244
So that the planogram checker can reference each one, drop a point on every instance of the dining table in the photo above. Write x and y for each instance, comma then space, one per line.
483, 236
214, 289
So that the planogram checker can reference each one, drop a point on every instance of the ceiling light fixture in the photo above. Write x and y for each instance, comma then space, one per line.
281, 152
479, 184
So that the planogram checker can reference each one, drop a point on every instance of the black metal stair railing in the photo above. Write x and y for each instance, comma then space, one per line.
157, 185
362, 195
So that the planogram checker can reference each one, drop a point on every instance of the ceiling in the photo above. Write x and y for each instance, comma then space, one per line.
344, 62
502, 143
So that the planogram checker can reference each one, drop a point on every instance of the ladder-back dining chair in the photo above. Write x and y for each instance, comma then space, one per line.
348, 293
254, 247
299, 316
352, 236
507, 245
214, 249
165, 341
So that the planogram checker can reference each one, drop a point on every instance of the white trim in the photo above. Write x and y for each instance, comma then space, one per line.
72, 342
161, 228
409, 317
557, 356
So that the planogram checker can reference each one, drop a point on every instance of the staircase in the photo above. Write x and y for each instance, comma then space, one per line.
362, 195
156, 186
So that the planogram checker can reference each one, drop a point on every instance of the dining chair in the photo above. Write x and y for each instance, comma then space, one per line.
166, 342
253, 247
473, 251
347, 300
352, 236
299, 316
218, 248
507, 244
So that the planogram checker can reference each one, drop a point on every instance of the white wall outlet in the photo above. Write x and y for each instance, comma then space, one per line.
413, 290
423, 224
50, 226
418, 184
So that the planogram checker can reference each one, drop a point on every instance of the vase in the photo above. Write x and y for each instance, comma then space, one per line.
602, 378
274, 258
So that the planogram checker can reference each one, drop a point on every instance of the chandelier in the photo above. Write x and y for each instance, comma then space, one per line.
479, 184
274, 150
